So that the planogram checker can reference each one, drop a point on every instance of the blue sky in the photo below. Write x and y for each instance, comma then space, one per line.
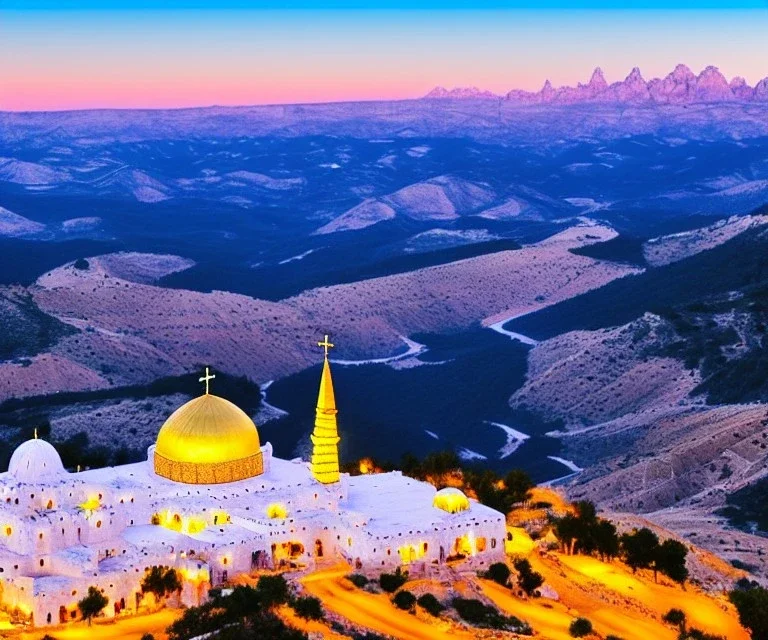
106, 5
72, 54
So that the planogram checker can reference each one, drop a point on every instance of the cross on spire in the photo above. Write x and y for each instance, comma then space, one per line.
207, 378
326, 345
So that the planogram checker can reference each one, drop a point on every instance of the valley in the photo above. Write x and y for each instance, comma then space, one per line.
575, 290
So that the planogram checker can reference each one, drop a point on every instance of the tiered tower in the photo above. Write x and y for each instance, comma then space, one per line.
325, 437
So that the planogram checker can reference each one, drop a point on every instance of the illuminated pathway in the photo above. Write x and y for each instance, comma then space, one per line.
614, 600
131, 628
373, 612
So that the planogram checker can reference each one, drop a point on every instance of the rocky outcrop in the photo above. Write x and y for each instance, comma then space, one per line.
681, 86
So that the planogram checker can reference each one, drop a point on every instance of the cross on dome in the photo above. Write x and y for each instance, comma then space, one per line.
326, 345
207, 378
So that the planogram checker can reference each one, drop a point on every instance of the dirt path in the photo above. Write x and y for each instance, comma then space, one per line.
131, 628
373, 611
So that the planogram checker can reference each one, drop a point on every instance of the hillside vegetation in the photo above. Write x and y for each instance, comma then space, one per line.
26, 330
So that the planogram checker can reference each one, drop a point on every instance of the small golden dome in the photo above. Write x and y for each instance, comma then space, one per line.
451, 500
208, 440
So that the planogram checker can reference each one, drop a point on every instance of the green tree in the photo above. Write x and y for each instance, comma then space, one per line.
430, 604
437, 465
404, 600
677, 618
488, 490
606, 540
92, 604
752, 606
580, 627
161, 582
639, 548
528, 579
391, 582
670, 560
499, 572
308, 607
272, 590
518, 485
567, 530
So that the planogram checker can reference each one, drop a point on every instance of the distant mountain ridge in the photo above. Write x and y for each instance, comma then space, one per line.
681, 86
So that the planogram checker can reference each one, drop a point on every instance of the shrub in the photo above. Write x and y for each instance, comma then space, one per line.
430, 604
498, 572
471, 610
698, 634
147, 636
391, 582
308, 608
82, 264
580, 627
481, 615
675, 617
358, 579
404, 600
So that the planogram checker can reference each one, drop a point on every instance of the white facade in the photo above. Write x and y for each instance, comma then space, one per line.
62, 532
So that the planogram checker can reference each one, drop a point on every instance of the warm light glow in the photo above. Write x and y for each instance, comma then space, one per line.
277, 510
521, 543
90, 505
177, 522
219, 517
412, 552
465, 545
366, 466
195, 575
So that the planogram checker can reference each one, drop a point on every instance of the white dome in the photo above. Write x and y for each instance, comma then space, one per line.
35, 460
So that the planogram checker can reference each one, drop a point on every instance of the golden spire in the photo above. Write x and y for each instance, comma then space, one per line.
35, 433
325, 437
207, 378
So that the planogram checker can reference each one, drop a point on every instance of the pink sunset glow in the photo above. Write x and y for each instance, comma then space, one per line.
83, 60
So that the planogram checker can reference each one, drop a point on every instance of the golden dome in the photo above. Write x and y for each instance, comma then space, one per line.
208, 440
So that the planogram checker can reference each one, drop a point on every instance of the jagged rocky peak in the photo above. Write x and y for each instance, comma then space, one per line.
460, 93
761, 90
597, 81
634, 77
681, 86
682, 74
548, 91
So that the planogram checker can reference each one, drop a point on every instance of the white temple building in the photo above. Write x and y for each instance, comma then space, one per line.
213, 502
